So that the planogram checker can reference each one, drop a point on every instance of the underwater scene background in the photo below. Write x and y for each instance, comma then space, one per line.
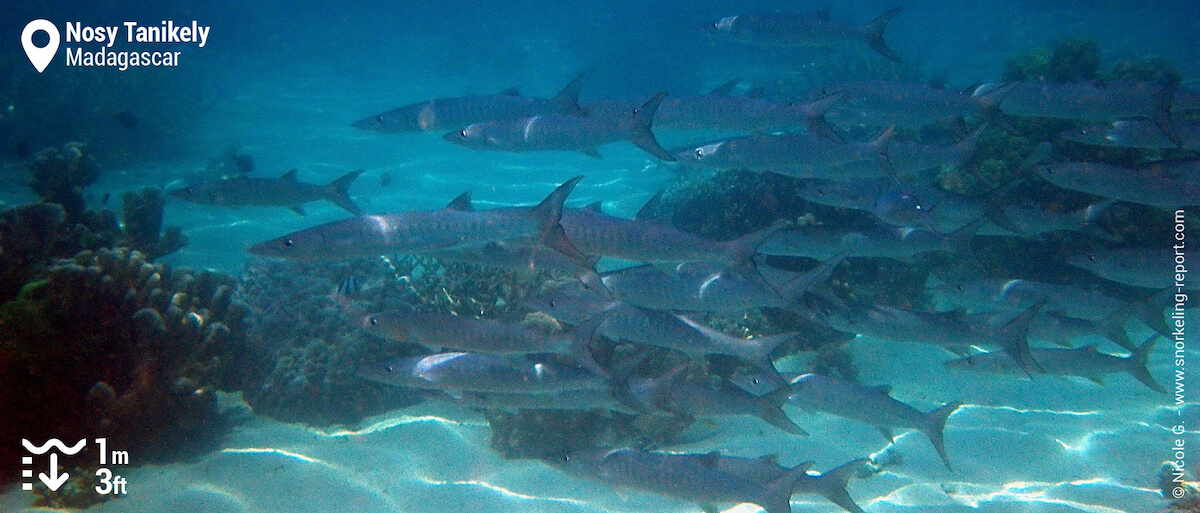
954, 232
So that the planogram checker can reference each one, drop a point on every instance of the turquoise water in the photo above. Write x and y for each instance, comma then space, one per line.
284, 89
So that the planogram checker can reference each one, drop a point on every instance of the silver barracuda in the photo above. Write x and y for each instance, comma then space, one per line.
450, 113
452, 228
903, 104
871, 406
804, 155
803, 30
716, 111
1087, 362
684, 476
565, 133
284, 191
1125, 184
444, 331
477, 372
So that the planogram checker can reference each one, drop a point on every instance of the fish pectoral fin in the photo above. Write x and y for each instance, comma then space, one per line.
297, 209
961, 352
711, 460
591, 152
888, 434
1099, 380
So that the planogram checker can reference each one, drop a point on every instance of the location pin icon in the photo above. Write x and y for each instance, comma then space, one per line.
40, 57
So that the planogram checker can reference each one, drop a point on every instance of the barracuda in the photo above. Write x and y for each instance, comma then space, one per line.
284, 191
450, 113
450, 228
813, 30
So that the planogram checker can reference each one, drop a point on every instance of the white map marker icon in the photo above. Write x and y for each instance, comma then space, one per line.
40, 57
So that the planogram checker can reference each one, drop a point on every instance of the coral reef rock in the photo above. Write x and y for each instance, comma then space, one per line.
112, 345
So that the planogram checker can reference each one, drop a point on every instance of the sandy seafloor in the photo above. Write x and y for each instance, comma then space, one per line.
1047, 445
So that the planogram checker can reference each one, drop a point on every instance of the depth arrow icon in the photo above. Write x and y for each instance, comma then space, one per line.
54, 480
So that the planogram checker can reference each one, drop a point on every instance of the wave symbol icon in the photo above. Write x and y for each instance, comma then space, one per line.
53, 443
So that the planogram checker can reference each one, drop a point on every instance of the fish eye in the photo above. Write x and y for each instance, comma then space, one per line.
462, 133
1092, 257
374, 321
388, 368
699, 153
552, 303
821, 191
288, 243
379, 119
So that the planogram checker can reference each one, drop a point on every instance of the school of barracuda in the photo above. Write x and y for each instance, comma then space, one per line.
1019, 327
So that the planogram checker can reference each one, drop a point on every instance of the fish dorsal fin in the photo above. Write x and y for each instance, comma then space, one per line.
649, 208
297, 209
591, 152
290, 176
726, 88
512, 91
883, 389
596, 206
711, 459
462, 203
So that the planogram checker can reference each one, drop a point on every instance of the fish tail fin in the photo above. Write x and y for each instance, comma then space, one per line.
832, 485
1112, 326
760, 355
815, 111
936, 429
1137, 364
1149, 311
989, 97
994, 209
338, 192
1014, 339
873, 32
1162, 111
960, 240
740, 252
966, 146
775, 416
567, 100
777, 495
725, 89
880, 145
793, 291
772, 412
582, 336
639, 130
548, 213
620, 373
